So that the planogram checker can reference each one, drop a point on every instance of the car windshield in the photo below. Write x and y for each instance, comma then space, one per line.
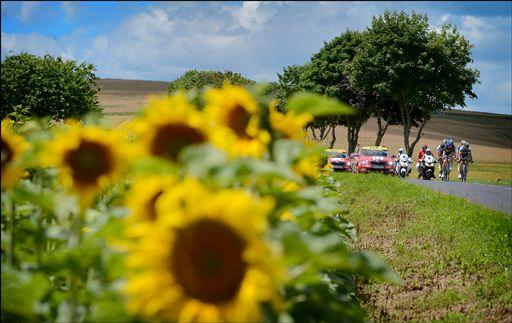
375, 153
338, 155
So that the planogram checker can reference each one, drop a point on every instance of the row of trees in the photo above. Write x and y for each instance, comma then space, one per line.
399, 71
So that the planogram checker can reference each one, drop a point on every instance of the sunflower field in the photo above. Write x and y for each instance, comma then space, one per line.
208, 206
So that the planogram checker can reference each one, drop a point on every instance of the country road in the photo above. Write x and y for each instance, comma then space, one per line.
492, 196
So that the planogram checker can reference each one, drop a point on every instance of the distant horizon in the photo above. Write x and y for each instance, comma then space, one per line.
159, 41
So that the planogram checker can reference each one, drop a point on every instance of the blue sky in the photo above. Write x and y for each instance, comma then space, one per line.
161, 40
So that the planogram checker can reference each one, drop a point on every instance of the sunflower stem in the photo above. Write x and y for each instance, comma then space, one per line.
74, 242
10, 207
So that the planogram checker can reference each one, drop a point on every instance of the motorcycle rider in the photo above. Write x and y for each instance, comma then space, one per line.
464, 152
420, 168
420, 157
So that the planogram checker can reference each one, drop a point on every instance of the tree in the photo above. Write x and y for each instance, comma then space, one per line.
421, 69
47, 86
326, 75
195, 79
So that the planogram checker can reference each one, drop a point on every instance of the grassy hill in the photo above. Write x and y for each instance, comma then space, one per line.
489, 134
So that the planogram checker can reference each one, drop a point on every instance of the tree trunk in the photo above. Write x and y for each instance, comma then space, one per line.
333, 137
406, 122
353, 136
381, 131
418, 136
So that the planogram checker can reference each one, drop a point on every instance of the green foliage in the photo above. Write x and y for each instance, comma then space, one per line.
47, 86
195, 79
421, 69
317, 105
64, 263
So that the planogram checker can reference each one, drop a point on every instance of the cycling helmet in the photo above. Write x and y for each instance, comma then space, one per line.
466, 144
400, 150
445, 141
463, 142
449, 142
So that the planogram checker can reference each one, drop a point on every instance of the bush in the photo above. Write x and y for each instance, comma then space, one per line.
47, 86
195, 79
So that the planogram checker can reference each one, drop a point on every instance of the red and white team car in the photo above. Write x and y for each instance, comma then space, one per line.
373, 159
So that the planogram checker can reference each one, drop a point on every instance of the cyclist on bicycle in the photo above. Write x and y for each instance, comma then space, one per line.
449, 151
440, 150
464, 151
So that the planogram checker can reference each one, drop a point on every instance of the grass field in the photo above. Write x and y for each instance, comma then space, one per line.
455, 257
489, 173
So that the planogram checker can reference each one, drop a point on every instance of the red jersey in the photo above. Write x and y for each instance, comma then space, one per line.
421, 154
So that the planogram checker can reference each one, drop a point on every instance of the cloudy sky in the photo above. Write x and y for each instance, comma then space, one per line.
161, 40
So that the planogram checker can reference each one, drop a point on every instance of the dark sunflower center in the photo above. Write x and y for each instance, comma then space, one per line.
7, 153
171, 139
89, 161
151, 205
207, 261
238, 120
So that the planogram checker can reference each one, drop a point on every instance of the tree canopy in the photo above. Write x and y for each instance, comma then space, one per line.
47, 86
423, 70
195, 79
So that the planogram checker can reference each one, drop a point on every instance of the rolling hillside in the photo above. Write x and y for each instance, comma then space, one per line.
489, 134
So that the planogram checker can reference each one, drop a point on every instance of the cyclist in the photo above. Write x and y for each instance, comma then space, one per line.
448, 152
464, 151
440, 150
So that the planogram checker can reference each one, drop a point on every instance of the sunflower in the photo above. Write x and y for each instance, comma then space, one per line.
308, 167
236, 117
12, 146
89, 158
169, 125
204, 260
290, 125
141, 199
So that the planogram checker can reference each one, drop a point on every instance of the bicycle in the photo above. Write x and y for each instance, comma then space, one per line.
447, 167
464, 168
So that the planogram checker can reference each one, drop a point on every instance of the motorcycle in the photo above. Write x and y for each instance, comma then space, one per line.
428, 167
403, 165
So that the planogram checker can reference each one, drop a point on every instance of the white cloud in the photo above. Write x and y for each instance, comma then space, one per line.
476, 27
256, 39
27, 10
69, 9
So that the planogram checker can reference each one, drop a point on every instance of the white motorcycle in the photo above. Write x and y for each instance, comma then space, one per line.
403, 165
427, 168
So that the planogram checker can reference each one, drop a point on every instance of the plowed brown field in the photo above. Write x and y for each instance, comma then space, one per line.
490, 135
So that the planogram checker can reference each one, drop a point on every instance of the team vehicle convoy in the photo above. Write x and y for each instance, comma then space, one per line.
373, 159
338, 160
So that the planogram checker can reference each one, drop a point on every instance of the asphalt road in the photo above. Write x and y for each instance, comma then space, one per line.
495, 197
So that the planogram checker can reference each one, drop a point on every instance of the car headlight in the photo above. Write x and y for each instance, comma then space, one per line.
348, 163
391, 163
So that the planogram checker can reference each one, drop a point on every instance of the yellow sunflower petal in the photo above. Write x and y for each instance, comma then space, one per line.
12, 147
204, 259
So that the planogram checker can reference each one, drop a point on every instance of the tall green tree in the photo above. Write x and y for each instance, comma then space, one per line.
326, 75
47, 86
195, 79
421, 69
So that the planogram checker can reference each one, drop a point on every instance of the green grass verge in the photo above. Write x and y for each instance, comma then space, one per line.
455, 257
487, 173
